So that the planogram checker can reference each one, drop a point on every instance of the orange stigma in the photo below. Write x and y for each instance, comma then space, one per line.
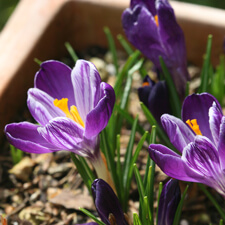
73, 113
156, 20
145, 84
194, 126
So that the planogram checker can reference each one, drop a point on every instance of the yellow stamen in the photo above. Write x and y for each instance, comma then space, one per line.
156, 20
145, 84
76, 116
194, 126
73, 114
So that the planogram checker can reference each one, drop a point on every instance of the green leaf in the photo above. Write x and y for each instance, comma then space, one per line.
150, 163
119, 171
84, 170
139, 182
173, 95
213, 200
39, 62
217, 84
187, 89
129, 63
126, 92
136, 220
149, 190
128, 161
128, 155
159, 130
112, 47
176, 220
138, 149
148, 215
130, 119
71, 51
159, 194
86, 212
127, 47
206, 68
16, 154
127, 88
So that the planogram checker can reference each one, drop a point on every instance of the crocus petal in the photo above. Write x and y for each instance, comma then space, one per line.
25, 137
145, 90
65, 134
141, 30
170, 33
179, 134
98, 118
172, 164
172, 40
215, 117
158, 100
41, 106
168, 202
86, 83
90, 223
150, 5
107, 203
197, 106
202, 157
54, 78
221, 144
155, 97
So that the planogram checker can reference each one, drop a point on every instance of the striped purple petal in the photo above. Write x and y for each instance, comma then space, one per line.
41, 106
221, 144
54, 78
202, 157
86, 84
98, 118
25, 137
197, 106
178, 132
215, 117
172, 164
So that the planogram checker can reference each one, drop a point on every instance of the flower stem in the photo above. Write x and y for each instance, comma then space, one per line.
102, 171
212, 199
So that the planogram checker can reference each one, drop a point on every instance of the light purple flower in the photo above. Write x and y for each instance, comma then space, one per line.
150, 25
71, 107
168, 202
202, 147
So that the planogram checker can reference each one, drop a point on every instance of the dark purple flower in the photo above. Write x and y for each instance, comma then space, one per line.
201, 141
150, 25
107, 204
71, 106
155, 97
168, 202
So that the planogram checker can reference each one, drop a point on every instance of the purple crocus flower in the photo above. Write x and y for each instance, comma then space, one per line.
168, 202
71, 107
107, 204
201, 141
155, 97
150, 25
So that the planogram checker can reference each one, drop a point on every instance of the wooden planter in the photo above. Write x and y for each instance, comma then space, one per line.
39, 29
